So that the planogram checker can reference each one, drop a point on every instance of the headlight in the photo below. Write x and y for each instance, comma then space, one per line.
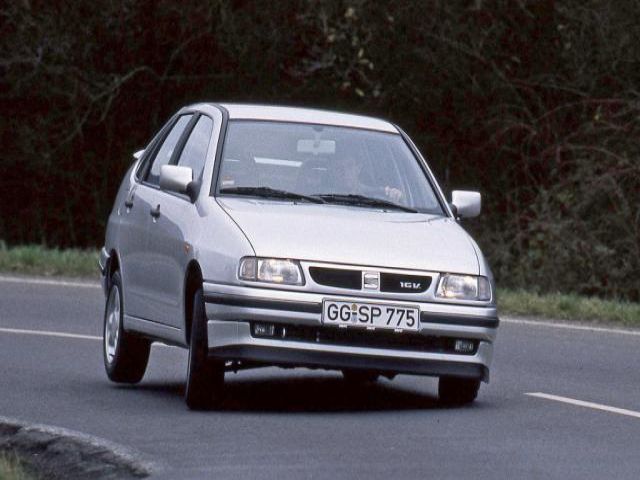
272, 270
464, 287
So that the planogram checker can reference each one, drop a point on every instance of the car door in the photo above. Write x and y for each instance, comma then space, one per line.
132, 245
137, 262
176, 218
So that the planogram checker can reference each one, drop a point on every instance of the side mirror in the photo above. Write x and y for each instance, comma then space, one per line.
176, 178
466, 204
138, 154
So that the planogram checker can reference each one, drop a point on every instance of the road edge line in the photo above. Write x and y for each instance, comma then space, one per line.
48, 333
568, 326
549, 323
49, 281
582, 403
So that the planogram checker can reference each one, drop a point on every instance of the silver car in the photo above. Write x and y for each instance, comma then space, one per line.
260, 235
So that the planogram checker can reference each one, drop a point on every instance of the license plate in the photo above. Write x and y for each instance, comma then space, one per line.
370, 315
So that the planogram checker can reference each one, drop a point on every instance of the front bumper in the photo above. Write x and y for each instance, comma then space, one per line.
231, 309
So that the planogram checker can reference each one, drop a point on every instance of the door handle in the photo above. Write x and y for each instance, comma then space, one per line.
155, 212
128, 202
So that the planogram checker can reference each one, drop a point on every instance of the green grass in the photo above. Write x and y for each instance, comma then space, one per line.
561, 306
38, 260
11, 468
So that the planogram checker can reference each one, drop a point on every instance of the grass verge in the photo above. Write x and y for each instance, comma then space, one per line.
562, 306
38, 260
11, 468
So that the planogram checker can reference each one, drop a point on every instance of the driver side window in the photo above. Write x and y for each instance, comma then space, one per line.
165, 152
195, 150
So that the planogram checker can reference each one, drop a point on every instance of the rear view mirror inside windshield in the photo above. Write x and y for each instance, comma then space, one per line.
316, 147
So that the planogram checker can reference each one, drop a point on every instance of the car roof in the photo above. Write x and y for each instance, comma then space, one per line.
306, 115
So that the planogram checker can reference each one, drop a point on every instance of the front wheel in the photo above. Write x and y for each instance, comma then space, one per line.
457, 391
205, 376
125, 355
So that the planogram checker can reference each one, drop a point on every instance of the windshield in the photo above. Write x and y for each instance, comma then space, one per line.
334, 164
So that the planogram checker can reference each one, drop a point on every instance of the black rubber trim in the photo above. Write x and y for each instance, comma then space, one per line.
318, 359
466, 320
424, 165
242, 301
182, 141
310, 307
164, 132
222, 140
150, 150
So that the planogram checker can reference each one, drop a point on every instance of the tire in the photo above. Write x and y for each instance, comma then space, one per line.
457, 391
125, 355
360, 376
205, 376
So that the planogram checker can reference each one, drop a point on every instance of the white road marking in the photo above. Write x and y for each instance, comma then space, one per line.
568, 326
581, 403
46, 281
77, 336
46, 333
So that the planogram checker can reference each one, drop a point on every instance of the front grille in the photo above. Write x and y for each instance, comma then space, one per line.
367, 338
337, 277
352, 279
402, 283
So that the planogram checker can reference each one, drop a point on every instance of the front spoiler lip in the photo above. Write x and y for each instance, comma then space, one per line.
330, 360
316, 307
232, 340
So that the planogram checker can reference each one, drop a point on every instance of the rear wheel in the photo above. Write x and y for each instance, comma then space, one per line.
125, 355
458, 391
205, 376
360, 376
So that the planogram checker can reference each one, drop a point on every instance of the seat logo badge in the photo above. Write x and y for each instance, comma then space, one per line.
411, 285
371, 280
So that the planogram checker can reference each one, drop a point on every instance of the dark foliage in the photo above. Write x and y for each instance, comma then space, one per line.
535, 103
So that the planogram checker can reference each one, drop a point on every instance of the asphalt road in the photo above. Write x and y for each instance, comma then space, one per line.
309, 424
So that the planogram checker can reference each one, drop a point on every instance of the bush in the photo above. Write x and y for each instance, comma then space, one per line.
533, 103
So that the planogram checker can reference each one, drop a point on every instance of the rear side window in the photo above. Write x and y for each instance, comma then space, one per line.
166, 149
195, 150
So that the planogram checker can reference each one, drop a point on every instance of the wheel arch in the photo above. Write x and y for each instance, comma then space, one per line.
192, 281
113, 265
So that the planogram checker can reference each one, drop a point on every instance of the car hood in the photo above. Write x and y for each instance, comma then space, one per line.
353, 235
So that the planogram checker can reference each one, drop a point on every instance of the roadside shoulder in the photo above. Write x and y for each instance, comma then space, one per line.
583, 325
58, 453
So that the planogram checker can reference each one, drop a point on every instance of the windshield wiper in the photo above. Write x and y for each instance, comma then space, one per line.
268, 192
351, 199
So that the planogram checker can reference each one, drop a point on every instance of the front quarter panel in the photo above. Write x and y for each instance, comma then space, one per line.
220, 244
484, 268
483, 265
